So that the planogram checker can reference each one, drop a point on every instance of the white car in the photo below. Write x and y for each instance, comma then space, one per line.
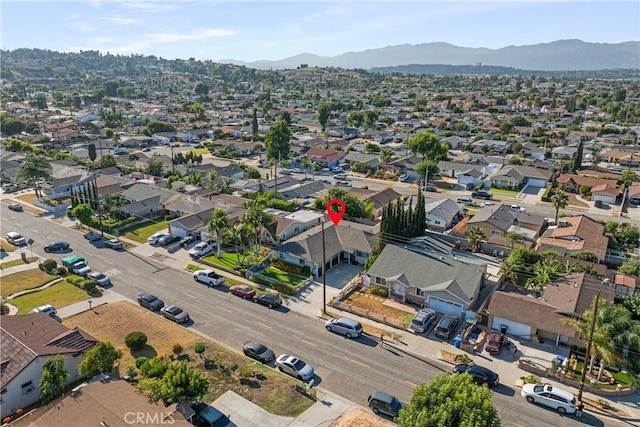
201, 249
485, 204
16, 239
553, 397
337, 169
153, 239
100, 278
47, 309
404, 177
295, 367
208, 277
518, 208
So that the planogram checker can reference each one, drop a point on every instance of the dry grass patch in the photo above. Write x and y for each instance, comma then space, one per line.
6, 246
23, 280
360, 418
112, 322
374, 304
29, 197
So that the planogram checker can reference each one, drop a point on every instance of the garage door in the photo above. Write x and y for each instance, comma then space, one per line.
537, 182
513, 328
444, 306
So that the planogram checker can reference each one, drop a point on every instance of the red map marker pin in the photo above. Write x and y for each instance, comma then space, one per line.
336, 216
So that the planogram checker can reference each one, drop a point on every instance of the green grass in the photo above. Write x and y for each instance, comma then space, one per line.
283, 276
141, 232
58, 295
199, 151
503, 192
15, 262
24, 280
620, 377
227, 259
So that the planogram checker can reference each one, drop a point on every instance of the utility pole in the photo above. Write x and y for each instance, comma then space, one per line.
324, 273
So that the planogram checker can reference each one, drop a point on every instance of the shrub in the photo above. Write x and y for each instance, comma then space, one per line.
60, 271
284, 288
233, 366
245, 373
75, 280
136, 340
141, 361
131, 371
49, 264
199, 348
177, 349
379, 291
531, 379
291, 268
89, 286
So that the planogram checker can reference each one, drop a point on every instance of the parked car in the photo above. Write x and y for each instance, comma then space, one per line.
58, 246
114, 244
17, 207
168, 239
16, 239
518, 208
485, 204
10, 188
208, 277
153, 239
47, 309
268, 300
383, 403
150, 302
447, 326
337, 169
295, 367
547, 395
92, 236
480, 374
344, 326
340, 176
258, 351
100, 278
343, 184
209, 416
598, 204
466, 201
175, 314
423, 319
494, 343
403, 177
481, 194
244, 291
431, 189
201, 249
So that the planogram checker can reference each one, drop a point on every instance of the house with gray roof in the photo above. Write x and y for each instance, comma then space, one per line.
28, 341
146, 200
371, 160
347, 242
515, 177
428, 274
442, 214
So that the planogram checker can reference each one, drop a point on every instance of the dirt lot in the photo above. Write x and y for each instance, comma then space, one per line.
225, 369
360, 418
366, 301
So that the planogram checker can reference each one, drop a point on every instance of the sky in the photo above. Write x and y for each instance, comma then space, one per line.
272, 30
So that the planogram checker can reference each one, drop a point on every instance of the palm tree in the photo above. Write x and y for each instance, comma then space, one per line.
512, 237
218, 222
212, 177
258, 219
509, 269
34, 167
559, 200
306, 163
476, 236
545, 272
240, 234
386, 154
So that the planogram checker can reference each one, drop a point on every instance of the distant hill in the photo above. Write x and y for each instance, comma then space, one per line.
561, 55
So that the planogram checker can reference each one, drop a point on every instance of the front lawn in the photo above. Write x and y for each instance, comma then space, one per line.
365, 301
197, 151
141, 232
59, 295
503, 192
15, 262
227, 259
6, 246
283, 276
23, 280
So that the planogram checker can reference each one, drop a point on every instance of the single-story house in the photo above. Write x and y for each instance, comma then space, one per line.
575, 234
606, 188
563, 153
517, 176
325, 157
498, 220
442, 214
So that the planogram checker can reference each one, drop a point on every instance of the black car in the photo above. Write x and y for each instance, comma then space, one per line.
57, 247
258, 351
168, 239
92, 236
268, 300
150, 302
17, 207
481, 375
481, 194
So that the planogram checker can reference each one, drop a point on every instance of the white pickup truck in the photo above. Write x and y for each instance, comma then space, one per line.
208, 277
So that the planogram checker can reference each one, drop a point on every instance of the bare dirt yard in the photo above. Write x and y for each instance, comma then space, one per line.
360, 418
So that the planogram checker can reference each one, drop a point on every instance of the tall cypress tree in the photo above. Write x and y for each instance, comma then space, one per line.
577, 158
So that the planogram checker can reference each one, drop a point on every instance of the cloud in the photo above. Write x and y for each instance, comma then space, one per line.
151, 7
119, 20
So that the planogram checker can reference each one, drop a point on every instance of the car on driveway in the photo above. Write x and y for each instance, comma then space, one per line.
446, 327
344, 326
480, 374
168, 239
175, 314
243, 291
383, 403
47, 309
59, 246
114, 244
153, 239
208, 277
295, 367
92, 236
258, 351
547, 395
201, 249
494, 343
423, 319
268, 300
404, 177
150, 302
17, 207
100, 278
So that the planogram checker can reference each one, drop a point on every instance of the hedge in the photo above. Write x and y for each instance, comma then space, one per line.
291, 268
281, 287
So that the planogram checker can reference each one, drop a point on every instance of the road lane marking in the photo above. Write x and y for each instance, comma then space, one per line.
306, 342
108, 262
410, 383
224, 309
134, 273
190, 296
359, 363
159, 283
263, 325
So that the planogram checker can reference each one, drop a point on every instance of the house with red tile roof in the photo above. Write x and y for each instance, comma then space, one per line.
575, 234
326, 157
605, 189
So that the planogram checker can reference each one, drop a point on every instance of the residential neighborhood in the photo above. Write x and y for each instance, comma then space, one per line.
504, 206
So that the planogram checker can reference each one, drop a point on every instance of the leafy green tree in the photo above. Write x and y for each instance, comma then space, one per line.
218, 222
154, 167
99, 359
354, 207
154, 388
83, 213
11, 125
202, 88
286, 116
34, 167
627, 177
625, 236
631, 268
240, 234
154, 367
277, 141
428, 168
324, 110
559, 200
476, 236
107, 161
258, 220
159, 126
182, 382
450, 400
53, 379
632, 303
428, 145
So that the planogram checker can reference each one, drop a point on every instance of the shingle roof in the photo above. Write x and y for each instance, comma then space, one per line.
582, 234
503, 217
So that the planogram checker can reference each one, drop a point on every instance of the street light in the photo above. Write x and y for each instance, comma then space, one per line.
585, 366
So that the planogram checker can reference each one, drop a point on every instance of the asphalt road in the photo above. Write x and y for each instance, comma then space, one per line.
351, 368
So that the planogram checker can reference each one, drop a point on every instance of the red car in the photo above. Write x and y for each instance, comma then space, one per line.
494, 343
243, 291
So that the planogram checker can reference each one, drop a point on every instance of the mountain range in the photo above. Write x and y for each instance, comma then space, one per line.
561, 55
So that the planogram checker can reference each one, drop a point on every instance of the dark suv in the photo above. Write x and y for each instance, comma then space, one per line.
481, 194
446, 326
